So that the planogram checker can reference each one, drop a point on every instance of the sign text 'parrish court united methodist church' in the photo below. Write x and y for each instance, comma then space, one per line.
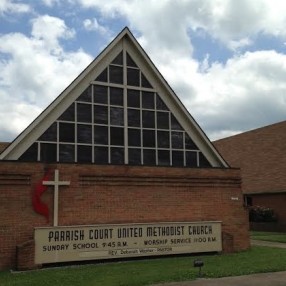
60, 244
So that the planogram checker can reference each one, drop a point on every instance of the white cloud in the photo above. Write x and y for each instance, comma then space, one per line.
15, 115
242, 43
93, 25
247, 92
226, 20
9, 6
164, 23
33, 75
49, 30
50, 3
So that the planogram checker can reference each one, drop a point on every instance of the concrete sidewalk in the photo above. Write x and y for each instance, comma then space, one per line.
264, 279
268, 243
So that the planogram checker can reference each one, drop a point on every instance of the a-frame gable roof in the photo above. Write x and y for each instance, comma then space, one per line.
43, 121
125, 41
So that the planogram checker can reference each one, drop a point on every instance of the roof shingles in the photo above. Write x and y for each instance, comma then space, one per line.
3, 145
261, 155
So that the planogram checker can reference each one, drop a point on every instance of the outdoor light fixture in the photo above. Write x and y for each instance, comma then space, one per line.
200, 264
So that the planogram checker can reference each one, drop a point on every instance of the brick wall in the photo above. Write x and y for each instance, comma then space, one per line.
118, 194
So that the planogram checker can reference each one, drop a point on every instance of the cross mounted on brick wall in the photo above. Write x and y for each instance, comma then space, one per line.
56, 183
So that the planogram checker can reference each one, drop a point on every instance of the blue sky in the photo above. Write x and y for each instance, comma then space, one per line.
225, 59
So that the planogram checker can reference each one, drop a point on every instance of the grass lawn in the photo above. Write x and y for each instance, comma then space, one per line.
151, 271
269, 236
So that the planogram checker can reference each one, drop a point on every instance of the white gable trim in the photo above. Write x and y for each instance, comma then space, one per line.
52, 112
125, 40
174, 104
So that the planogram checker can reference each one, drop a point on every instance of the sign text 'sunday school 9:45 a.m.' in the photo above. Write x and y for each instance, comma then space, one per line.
60, 244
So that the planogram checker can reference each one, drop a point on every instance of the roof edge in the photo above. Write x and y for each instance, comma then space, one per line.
215, 157
7, 151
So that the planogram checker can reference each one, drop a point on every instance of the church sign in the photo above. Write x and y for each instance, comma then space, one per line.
75, 243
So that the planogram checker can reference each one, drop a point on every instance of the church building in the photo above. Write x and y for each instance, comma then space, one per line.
116, 167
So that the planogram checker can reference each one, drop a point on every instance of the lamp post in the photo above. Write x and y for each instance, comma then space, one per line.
199, 263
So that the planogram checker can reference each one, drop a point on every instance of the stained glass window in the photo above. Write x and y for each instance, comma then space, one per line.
84, 154
118, 119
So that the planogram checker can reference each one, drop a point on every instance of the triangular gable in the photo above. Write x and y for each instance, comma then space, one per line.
119, 110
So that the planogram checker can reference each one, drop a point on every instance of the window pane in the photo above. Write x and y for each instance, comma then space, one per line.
103, 76
66, 132
134, 137
163, 158
50, 134
118, 60
116, 96
148, 100
68, 115
31, 155
134, 156
84, 112
84, 133
191, 159
100, 94
203, 161
116, 116
48, 152
178, 158
133, 118
101, 135
177, 140
115, 74
101, 155
175, 124
100, 114
66, 153
148, 138
163, 139
149, 157
145, 82
133, 98
160, 105
130, 61
84, 154
116, 136
163, 120
86, 95
189, 144
148, 119
133, 77
117, 156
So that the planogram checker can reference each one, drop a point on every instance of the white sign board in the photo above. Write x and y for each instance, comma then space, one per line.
75, 243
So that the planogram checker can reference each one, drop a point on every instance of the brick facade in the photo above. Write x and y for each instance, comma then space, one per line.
260, 154
118, 194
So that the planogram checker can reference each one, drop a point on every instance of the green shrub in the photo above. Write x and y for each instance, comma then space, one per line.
261, 214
